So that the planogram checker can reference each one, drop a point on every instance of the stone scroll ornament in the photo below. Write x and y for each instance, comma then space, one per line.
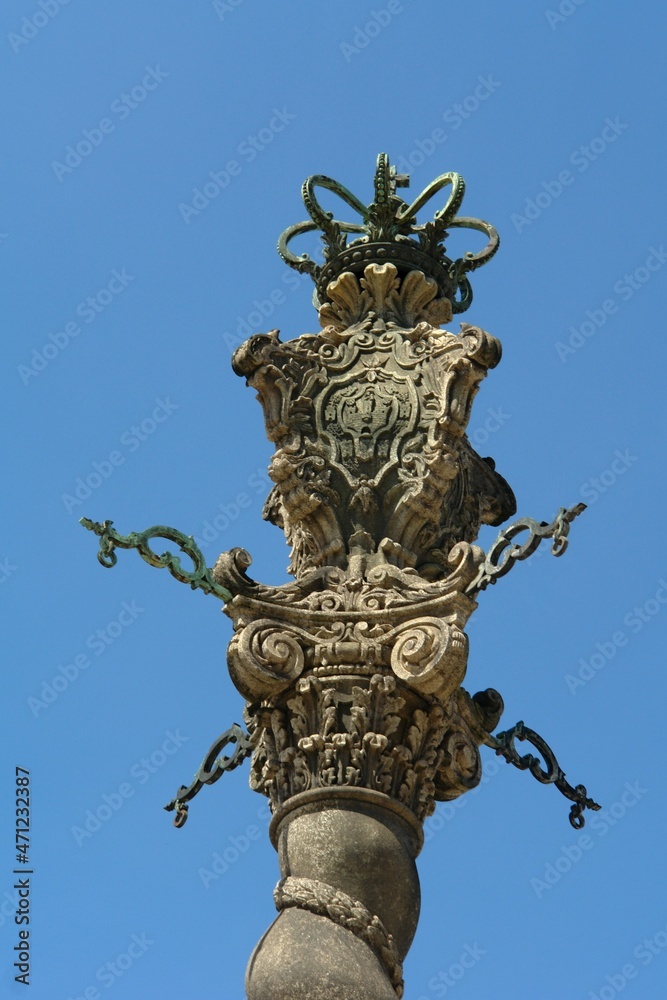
357, 722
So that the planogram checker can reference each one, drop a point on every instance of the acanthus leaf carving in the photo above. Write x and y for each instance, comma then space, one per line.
381, 294
376, 735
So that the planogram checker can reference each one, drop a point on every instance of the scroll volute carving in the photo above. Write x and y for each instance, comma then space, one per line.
431, 656
265, 658
469, 722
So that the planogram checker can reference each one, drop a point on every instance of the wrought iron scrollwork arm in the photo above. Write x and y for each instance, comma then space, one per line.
550, 773
212, 769
200, 577
505, 551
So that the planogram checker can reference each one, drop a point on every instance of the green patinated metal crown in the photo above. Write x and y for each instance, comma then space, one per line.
390, 234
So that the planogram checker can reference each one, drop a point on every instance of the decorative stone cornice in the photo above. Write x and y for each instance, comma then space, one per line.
331, 622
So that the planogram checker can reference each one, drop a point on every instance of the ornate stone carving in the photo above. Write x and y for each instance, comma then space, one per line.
381, 294
368, 733
327, 901
421, 650
331, 623
372, 464
352, 673
266, 657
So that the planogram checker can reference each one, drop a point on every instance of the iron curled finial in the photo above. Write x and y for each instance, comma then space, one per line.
212, 769
550, 773
388, 232
199, 578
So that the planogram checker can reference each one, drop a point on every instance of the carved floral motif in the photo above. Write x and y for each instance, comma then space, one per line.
371, 733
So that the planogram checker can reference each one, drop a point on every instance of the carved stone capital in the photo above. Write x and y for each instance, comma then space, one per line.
365, 732
334, 623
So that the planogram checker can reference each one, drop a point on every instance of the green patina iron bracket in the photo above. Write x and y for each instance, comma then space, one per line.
505, 552
200, 578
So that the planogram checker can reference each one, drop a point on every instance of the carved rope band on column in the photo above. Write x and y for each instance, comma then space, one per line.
327, 901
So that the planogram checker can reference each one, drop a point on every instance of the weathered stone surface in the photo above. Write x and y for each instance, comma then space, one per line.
353, 672
311, 957
372, 464
363, 849
349, 879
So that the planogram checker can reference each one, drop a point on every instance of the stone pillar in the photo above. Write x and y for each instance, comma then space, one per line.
348, 898
352, 674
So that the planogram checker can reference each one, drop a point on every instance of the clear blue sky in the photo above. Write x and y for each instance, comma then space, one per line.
126, 292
